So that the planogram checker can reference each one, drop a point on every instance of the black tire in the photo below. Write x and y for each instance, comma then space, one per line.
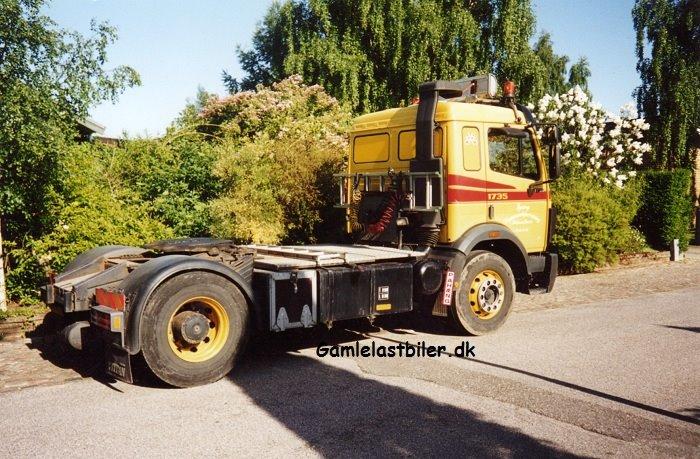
168, 298
462, 313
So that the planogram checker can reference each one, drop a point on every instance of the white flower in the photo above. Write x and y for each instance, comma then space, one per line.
65, 227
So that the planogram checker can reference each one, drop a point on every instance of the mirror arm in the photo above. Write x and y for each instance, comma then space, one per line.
537, 184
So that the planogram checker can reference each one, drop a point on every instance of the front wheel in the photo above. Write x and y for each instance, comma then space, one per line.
484, 294
193, 329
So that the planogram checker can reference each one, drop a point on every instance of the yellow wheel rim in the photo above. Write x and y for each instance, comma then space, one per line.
194, 314
486, 294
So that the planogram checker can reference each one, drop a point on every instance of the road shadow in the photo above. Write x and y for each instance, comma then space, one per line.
340, 414
692, 412
678, 327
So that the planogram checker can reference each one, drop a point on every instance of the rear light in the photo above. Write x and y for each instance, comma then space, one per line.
107, 318
113, 300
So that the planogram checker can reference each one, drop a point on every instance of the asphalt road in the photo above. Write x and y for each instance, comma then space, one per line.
618, 377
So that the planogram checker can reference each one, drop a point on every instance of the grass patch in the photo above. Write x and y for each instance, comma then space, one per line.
23, 311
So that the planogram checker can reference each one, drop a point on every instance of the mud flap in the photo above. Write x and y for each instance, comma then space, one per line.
118, 364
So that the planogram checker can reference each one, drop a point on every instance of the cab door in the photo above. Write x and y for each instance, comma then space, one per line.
513, 165
466, 179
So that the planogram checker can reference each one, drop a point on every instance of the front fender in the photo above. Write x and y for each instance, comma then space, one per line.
487, 232
143, 281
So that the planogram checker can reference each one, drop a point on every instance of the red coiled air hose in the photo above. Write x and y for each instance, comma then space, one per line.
385, 220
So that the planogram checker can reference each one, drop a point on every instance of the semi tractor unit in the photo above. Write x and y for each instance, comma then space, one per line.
448, 202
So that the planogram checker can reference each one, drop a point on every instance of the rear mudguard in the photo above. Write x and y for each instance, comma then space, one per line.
145, 279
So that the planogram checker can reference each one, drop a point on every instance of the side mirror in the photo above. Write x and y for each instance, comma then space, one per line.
550, 137
554, 162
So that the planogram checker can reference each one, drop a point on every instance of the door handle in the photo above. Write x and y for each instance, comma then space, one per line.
491, 211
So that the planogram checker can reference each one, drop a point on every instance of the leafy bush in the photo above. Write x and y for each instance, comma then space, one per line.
278, 149
593, 222
174, 175
96, 208
666, 209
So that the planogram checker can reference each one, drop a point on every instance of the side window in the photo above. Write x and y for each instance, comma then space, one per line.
471, 153
370, 148
407, 144
511, 152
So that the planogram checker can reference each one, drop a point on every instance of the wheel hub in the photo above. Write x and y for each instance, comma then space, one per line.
486, 294
190, 327
198, 329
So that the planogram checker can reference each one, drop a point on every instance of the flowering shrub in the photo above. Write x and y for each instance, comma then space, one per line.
609, 148
278, 148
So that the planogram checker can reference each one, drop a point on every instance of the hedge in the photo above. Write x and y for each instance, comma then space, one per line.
666, 209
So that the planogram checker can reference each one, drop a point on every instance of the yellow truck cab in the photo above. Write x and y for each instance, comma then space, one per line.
463, 176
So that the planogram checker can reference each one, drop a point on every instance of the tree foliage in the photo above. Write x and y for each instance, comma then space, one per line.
668, 62
49, 77
374, 54
555, 67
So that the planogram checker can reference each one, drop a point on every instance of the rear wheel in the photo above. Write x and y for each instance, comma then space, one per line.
484, 294
193, 329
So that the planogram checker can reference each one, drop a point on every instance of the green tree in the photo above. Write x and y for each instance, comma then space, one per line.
668, 62
554, 65
373, 54
579, 73
513, 25
49, 77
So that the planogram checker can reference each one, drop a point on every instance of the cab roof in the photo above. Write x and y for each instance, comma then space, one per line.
446, 111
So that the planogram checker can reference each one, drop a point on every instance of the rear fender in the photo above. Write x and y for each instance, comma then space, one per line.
145, 279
